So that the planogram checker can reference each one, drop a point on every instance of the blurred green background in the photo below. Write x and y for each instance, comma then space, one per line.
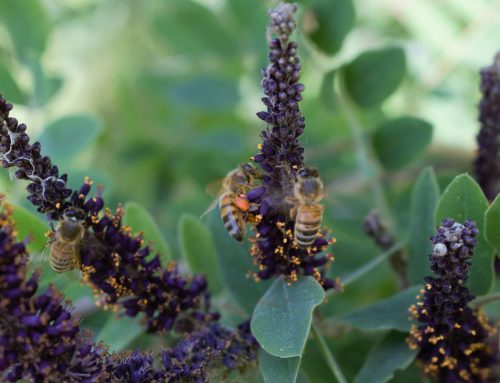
157, 99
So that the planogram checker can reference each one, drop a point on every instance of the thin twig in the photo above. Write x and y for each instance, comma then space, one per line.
330, 360
481, 301
367, 267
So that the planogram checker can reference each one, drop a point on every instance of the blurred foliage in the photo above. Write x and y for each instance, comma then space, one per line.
158, 101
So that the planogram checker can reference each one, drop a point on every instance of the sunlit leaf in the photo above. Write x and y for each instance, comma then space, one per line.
462, 200
424, 200
281, 320
198, 249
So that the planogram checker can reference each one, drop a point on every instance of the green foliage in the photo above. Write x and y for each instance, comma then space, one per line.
138, 218
391, 354
282, 319
118, 333
278, 370
67, 136
424, 199
236, 266
386, 314
462, 200
335, 18
28, 25
30, 226
198, 249
374, 75
492, 224
9, 86
399, 142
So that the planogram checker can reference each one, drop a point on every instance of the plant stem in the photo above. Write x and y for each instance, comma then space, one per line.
478, 302
330, 360
367, 267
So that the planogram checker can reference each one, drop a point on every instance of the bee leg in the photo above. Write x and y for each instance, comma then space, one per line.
51, 225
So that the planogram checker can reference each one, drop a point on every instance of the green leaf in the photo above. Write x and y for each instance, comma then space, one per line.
236, 264
335, 18
9, 87
66, 137
374, 75
327, 92
198, 249
282, 319
424, 199
139, 219
399, 142
387, 314
462, 200
205, 92
117, 333
29, 26
28, 225
492, 224
278, 370
391, 354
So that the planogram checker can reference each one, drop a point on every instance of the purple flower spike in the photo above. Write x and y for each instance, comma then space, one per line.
455, 342
273, 203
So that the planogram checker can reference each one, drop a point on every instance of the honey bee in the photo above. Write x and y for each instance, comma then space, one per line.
64, 243
232, 202
308, 192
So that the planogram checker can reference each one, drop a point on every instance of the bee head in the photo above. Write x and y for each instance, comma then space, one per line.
249, 171
307, 172
70, 229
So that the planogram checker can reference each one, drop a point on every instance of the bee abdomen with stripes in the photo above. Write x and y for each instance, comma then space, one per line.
307, 224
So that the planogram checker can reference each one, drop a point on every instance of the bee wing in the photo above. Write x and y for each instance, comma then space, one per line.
214, 188
211, 207
40, 256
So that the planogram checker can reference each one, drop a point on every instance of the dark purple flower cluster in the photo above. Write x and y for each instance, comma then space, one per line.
119, 266
454, 341
281, 156
133, 367
192, 358
47, 189
39, 338
487, 165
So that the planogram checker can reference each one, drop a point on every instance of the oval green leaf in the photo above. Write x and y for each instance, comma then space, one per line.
198, 249
278, 370
118, 333
236, 264
9, 86
282, 319
390, 355
424, 199
387, 314
140, 220
374, 75
30, 226
335, 18
492, 224
399, 142
68, 136
462, 200
29, 26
